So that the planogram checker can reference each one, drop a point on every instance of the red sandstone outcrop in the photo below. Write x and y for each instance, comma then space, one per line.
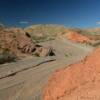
76, 37
15, 40
80, 81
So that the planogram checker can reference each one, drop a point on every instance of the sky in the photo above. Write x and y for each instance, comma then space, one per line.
70, 13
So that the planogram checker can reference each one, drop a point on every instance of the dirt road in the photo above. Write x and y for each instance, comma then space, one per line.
27, 84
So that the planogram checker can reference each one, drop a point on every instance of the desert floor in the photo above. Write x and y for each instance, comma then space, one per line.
26, 78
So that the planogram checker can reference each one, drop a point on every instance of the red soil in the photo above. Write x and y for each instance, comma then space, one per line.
76, 37
79, 81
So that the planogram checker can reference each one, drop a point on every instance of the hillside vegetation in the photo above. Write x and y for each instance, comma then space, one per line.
44, 32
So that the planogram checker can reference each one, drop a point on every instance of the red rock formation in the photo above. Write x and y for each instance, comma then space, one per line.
79, 81
19, 43
76, 37
14, 40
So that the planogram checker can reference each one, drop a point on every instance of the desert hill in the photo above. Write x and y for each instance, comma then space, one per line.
44, 32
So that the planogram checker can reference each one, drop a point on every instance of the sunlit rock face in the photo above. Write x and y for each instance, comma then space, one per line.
80, 81
19, 42
76, 37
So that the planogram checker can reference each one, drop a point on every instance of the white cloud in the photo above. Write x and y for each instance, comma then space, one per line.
23, 22
98, 22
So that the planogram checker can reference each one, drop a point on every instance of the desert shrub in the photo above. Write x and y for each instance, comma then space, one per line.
6, 56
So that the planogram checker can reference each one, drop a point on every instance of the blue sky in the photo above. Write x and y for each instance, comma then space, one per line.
71, 13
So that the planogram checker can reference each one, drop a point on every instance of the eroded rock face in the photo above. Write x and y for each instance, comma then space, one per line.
19, 42
15, 40
75, 36
79, 81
